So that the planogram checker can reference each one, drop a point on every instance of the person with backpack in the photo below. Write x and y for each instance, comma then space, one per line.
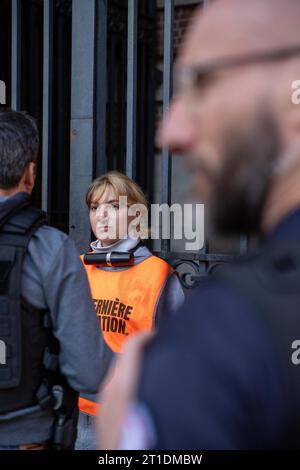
51, 346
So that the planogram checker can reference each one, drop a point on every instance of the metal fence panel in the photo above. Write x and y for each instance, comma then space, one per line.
82, 117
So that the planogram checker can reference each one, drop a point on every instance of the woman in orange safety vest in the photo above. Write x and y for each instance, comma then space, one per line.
128, 296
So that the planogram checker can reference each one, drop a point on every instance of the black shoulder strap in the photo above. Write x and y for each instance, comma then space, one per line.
18, 228
15, 234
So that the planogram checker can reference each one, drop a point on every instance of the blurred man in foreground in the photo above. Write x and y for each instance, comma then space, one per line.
224, 374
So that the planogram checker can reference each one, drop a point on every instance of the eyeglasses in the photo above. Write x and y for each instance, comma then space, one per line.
196, 76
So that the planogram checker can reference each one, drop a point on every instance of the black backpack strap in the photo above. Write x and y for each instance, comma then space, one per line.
13, 211
21, 225
15, 235
30, 380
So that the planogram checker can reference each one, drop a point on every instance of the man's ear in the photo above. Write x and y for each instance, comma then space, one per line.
29, 177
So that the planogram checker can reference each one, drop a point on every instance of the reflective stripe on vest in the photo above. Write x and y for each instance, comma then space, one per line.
125, 302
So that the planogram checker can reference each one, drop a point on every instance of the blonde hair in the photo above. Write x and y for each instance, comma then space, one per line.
121, 184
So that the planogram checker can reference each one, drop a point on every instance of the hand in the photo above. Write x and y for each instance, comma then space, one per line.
119, 390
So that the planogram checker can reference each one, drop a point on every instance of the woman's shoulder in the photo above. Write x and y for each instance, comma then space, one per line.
155, 260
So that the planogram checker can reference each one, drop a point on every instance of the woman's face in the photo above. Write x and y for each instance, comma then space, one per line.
109, 217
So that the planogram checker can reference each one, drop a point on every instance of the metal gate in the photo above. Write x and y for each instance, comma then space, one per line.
86, 70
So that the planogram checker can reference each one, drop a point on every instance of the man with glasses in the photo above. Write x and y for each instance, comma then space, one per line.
224, 374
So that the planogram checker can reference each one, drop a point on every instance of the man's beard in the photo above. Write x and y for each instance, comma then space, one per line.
240, 190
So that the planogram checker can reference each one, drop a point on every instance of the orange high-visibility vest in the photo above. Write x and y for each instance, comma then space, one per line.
125, 302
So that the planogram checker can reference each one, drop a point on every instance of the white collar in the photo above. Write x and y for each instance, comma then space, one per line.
123, 245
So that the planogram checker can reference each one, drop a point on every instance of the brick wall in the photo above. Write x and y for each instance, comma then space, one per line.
182, 15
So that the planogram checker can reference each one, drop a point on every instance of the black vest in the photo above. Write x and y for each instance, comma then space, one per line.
270, 281
28, 350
